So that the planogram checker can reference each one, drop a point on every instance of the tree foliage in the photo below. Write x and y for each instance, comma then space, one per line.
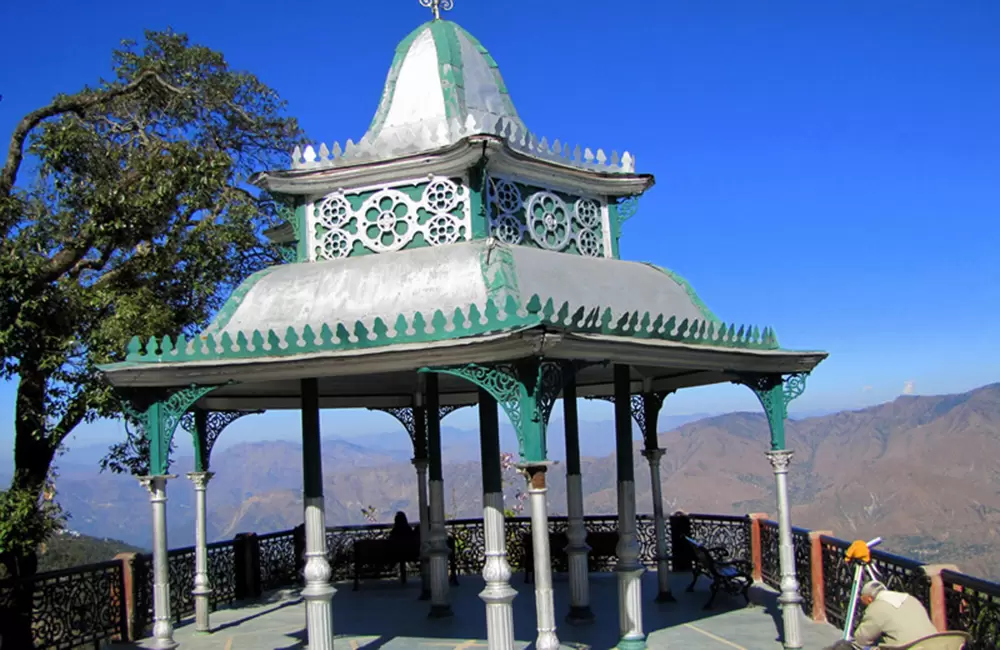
132, 218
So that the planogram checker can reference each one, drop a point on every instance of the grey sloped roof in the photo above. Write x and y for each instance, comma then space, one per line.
446, 278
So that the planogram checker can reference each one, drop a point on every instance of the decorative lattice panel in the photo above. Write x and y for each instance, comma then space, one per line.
541, 217
430, 212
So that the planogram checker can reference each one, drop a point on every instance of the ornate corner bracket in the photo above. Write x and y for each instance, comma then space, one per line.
775, 393
205, 428
526, 391
406, 416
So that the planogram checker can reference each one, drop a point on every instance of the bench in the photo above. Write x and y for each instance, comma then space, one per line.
376, 558
731, 575
603, 546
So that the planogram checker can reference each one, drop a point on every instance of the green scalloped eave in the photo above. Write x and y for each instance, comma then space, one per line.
460, 324
694, 297
390, 82
236, 298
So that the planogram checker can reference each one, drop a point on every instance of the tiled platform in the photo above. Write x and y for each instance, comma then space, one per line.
387, 615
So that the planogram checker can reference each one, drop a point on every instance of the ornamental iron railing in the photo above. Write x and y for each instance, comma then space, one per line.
972, 605
113, 600
69, 608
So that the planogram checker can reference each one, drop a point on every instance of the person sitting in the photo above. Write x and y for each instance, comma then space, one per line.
891, 618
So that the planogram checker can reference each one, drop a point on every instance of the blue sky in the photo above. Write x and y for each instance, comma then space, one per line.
829, 169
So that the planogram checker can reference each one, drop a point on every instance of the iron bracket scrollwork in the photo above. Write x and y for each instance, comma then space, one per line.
405, 416
627, 207
775, 392
637, 407
215, 423
526, 390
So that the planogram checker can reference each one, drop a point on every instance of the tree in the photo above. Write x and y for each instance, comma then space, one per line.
134, 219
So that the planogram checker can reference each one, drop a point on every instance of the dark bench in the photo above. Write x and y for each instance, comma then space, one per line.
731, 575
603, 546
377, 558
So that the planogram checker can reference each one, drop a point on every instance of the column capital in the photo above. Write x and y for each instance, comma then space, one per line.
780, 460
653, 455
534, 472
152, 483
200, 479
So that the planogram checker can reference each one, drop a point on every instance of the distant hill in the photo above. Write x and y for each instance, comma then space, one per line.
69, 549
923, 472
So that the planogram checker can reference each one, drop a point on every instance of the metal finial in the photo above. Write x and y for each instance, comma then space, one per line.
437, 6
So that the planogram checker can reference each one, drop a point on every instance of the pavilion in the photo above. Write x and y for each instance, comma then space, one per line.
451, 257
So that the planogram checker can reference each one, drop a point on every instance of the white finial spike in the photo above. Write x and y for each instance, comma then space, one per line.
601, 158
337, 151
588, 155
349, 149
627, 162
498, 127
557, 148
470, 124
442, 133
455, 128
310, 154
506, 131
324, 153
576, 154
296, 156
614, 159
532, 142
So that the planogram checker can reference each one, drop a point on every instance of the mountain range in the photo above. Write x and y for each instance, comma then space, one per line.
921, 471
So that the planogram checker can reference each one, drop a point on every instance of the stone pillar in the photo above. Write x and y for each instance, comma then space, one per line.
437, 536
318, 592
663, 595
938, 610
544, 604
816, 577
628, 568
163, 629
577, 549
498, 594
756, 552
425, 578
202, 585
789, 599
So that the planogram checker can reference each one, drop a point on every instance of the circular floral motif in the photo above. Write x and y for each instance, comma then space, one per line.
588, 243
548, 221
588, 213
388, 221
334, 244
507, 229
441, 195
334, 211
442, 229
505, 195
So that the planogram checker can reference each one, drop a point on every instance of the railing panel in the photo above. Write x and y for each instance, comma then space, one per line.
770, 570
803, 567
278, 564
731, 532
898, 573
73, 607
646, 531
973, 605
221, 573
340, 547
180, 568
470, 545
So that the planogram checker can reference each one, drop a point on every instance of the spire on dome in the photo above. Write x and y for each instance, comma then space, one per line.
437, 6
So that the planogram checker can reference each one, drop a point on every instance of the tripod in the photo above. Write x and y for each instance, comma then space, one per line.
861, 567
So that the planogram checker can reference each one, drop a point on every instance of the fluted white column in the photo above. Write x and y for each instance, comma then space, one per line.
577, 552
629, 571
163, 629
789, 599
202, 584
653, 456
425, 577
318, 592
438, 553
544, 604
498, 594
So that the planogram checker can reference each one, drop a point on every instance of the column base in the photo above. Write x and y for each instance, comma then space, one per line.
163, 644
580, 615
631, 644
440, 611
665, 597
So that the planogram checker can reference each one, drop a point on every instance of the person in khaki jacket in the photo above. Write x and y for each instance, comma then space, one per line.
891, 618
